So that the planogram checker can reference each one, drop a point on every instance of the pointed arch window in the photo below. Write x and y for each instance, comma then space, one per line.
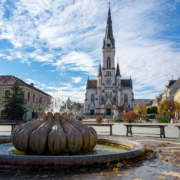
125, 98
92, 98
108, 62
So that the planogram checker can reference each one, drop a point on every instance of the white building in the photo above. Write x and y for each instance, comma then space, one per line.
103, 94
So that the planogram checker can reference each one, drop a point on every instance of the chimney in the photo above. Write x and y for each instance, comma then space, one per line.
32, 84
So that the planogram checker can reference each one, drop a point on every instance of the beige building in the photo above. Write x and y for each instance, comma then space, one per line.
177, 98
172, 87
33, 96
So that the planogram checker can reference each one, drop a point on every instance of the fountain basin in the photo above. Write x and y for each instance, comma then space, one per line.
42, 160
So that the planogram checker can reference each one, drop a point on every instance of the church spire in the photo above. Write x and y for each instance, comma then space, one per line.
99, 71
118, 70
109, 31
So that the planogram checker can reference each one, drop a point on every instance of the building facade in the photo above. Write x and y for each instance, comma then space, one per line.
33, 96
103, 94
177, 99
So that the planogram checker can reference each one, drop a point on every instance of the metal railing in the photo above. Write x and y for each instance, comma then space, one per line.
12, 120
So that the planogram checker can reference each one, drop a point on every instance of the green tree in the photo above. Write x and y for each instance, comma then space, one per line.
14, 104
152, 110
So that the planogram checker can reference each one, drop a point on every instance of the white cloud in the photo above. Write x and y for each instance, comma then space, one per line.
76, 79
78, 61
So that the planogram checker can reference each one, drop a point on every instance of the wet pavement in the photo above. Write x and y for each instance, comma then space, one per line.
161, 160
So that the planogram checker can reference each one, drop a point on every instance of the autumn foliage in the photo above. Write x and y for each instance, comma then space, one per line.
98, 119
140, 108
129, 116
168, 106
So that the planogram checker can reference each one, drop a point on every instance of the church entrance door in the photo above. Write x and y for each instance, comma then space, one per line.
92, 112
108, 111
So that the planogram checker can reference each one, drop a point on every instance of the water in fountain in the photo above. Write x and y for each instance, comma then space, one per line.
59, 97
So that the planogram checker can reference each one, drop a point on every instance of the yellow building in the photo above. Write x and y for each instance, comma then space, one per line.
177, 98
33, 96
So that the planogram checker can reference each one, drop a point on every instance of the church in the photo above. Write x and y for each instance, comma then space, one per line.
108, 92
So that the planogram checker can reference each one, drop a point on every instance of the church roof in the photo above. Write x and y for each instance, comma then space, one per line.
99, 71
109, 31
91, 84
126, 83
118, 70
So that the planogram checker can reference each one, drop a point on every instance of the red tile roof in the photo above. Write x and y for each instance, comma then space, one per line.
8, 80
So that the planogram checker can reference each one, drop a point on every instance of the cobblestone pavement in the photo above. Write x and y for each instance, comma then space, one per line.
162, 161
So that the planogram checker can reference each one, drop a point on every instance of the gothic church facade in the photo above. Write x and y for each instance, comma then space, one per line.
103, 95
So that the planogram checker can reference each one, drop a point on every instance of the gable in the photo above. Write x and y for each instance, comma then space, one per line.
108, 104
92, 106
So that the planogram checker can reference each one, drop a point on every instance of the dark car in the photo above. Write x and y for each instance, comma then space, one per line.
79, 118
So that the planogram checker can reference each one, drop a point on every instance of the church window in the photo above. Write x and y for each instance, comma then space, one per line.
108, 62
125, 98
92, 98
108, 73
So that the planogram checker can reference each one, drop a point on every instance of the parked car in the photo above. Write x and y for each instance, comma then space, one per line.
79, 118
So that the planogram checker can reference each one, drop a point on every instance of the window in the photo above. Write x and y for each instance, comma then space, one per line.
7, 93
40, 100
22, 95
125, 98
92, 98
33, 98
37, 100
111, 94
108, 73
108, 62
28, 96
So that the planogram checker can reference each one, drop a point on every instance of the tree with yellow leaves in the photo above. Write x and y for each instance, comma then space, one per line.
168, 106
141, 109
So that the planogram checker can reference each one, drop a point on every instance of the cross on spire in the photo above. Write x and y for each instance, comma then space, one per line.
109, 3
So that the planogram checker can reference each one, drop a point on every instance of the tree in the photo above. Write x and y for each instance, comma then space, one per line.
152, 110
129, 116
168, 106
14, 104
141, 108
78, 105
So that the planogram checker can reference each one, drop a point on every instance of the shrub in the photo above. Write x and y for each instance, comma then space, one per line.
163, 119
99, 119
84, 117
147, 120
129, 116
30, 119
39, 108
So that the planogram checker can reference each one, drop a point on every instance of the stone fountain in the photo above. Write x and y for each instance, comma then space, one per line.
54, 134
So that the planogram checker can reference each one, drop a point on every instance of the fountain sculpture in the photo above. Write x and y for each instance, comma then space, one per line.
54, 134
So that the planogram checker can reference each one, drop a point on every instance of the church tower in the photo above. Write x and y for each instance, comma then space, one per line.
102, 95
109, 53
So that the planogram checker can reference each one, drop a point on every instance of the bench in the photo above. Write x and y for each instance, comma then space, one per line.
110, 125
162, 128
179, 129
11, 123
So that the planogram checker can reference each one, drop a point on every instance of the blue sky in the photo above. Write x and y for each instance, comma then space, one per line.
38, 38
